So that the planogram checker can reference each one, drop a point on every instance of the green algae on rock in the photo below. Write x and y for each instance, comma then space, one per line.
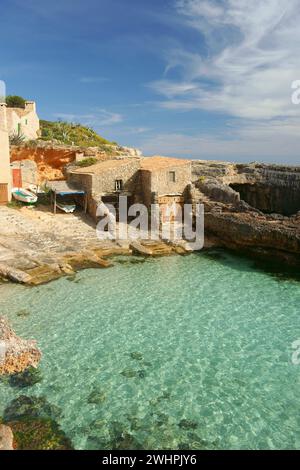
34, 426
25, 407
136, 356
39, 434
188, 424
28, 378
96, 397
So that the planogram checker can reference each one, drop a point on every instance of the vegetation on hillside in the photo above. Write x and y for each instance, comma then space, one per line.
14, 101
71, 134
87, 162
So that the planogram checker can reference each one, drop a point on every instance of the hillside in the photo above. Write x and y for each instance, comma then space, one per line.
71, 134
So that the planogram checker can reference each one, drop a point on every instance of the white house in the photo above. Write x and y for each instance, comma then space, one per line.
5, 171
23, 122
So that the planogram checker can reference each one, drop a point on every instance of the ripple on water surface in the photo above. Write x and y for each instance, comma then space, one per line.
176, 352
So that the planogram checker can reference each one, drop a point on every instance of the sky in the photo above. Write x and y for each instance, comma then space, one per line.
189, 78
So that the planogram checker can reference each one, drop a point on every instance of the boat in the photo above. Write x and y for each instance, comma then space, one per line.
24, 195
68, 208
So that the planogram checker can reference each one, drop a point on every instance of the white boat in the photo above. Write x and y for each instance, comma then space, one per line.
68, 208
23, 195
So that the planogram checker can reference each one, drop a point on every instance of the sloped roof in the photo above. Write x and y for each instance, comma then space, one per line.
159, 163
64, 188
100, 167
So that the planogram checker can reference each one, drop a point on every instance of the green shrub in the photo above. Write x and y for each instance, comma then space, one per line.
14, 101
87, 162
14, 204
71, 134
16, 139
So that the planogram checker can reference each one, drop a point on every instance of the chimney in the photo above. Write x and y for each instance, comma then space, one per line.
3, 118
30, 106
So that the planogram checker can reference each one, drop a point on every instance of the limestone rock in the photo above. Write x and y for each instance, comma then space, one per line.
15, 275
16, 354
6, 438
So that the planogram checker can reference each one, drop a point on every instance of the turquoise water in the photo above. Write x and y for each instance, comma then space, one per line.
180, 351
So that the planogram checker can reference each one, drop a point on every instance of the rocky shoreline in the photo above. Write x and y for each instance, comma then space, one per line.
17, 354
252, 208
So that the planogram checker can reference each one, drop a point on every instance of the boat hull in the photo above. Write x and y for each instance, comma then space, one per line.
23, 195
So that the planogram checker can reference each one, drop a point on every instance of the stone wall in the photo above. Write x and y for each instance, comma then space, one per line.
29, 171
159, 181
81, 181
104, 181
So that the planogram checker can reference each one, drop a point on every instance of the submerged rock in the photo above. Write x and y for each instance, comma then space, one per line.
188, 424
16, 354
39, 434
25, 407
23, 313
28, 378
112, 436
129, 373
141, 374
136, 356
96, 397
34, 426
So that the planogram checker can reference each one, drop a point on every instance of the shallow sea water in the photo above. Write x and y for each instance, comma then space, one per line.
180, 352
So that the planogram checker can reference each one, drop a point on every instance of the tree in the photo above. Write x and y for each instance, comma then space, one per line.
15, 101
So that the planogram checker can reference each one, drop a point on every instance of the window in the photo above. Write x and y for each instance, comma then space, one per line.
172, 176
118, 185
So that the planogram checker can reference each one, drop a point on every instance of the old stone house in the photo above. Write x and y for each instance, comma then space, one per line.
150, 180
24, 122
165, 182
106, 180
5, 174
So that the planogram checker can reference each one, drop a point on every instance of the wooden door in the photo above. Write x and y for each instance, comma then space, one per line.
17, 178
3, 193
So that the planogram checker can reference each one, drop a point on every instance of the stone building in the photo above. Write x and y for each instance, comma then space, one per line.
165, 181
24, 122
107, 180
150, 180
5, 174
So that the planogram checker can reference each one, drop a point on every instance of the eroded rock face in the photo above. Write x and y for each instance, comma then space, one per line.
251, 207
16, 354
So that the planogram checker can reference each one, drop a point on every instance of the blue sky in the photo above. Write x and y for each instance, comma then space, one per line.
190, 78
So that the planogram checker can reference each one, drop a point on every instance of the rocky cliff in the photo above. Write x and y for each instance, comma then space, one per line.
254, 208
51, 158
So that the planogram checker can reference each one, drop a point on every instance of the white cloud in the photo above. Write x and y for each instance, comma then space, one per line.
98, 117
250, 70
171, 88
277, 141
